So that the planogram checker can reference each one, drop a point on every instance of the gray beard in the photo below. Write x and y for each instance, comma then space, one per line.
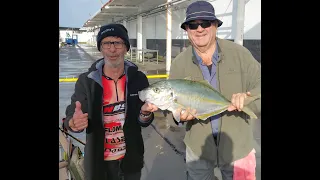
114, 64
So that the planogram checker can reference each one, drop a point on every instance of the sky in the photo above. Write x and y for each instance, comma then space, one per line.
74, 13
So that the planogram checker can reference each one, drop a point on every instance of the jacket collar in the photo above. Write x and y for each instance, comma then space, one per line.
96, 70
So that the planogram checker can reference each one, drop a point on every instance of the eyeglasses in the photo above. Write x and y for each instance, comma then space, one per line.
203, 24
107, 44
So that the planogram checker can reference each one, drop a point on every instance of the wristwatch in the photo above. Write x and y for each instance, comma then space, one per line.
145, 115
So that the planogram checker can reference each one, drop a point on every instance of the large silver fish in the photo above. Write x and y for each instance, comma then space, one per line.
172, 94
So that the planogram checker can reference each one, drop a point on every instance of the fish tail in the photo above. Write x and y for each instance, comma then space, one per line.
249, 112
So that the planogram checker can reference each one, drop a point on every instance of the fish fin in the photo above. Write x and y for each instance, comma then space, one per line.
193, 115
249, 99
205, 116
184, 108
205, 82
173, 108
249, 112
176, 115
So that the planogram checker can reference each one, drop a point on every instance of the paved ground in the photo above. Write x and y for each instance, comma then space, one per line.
165, 150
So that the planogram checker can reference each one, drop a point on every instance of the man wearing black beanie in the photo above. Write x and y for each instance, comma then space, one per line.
113, 30
106, 104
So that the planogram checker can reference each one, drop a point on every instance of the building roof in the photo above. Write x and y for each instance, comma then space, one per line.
118, 10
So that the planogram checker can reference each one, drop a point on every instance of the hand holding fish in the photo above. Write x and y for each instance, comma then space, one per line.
148, 107
187, 115
237, 101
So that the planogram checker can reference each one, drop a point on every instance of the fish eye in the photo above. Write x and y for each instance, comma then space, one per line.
156, 90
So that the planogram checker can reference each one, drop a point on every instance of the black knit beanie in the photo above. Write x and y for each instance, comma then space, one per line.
113, 30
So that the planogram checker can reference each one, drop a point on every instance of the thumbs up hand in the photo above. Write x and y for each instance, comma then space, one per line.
79, 120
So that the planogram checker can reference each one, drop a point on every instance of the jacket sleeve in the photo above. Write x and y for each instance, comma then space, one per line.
78, 95
253, 82
146, 123
144, 83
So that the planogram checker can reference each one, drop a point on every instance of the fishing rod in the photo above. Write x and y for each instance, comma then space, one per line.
72, 136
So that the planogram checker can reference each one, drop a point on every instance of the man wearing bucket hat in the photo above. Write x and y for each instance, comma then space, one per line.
106, 104
225, 140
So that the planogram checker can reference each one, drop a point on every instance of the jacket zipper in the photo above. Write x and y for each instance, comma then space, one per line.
115, 84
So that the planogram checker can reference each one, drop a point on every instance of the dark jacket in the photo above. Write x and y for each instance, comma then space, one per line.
89, 91
237, 71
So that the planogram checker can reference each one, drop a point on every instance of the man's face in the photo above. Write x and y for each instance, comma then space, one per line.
201, 32
113, 50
